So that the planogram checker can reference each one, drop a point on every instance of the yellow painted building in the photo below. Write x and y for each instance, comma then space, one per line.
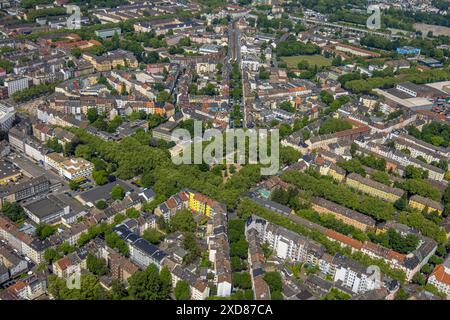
420, 203
336, 175
200, 203
374, 188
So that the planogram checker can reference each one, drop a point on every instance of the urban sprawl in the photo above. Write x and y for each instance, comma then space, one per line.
93, 208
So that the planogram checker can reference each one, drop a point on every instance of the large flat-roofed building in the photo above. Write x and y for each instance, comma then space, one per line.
416, 90
431, 63
407, 50
90, 197
107, 33
356, 51
164, 131
46, 210
77, 168
8, 172
24, 189
69, 168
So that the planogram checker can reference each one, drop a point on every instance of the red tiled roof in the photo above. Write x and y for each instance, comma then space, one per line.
63, 263
344, 239
440, 274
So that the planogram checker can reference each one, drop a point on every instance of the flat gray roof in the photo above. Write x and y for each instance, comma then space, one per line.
103, 192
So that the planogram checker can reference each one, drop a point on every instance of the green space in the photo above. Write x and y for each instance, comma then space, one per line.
316, 59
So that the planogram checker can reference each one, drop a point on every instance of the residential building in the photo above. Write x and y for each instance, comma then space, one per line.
374, 188
348, 216
440, 277
15, 84
421, 203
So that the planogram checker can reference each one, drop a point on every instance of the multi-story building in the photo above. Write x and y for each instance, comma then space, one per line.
7, 117
219, 249
354, 275
8, 172
13, 262
28, 288
15, 84
72, 168
417, 149
27, 245
374, 188
199, 289
24, 189
440, 277
256, 259
290, 246
46, 210
200, 203
71, 264
142, 252
348, 216
420, 203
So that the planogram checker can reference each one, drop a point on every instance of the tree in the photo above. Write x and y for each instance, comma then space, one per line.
96, 265
421, 187
273, 280
13, 211
51, 255
166, 281
153, 236
289, 155
353, 165
382, 177
163, 96
74, 185
412, 172
333, 125
326, 97
182, 290
83, 151
242, 280
114, 241
66, 248
100, 177
101, 204
303, 65
239, 248
401, 294
118, 218
92, 115
401, 203
133, 213
118, 290
182, 221
146, 285
419, 279
117, 192
192, 247
91, 288
43, 231
54, 145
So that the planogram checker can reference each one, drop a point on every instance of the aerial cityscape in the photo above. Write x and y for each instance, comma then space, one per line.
115, 183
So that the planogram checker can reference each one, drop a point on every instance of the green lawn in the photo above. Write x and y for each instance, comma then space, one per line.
314, 59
